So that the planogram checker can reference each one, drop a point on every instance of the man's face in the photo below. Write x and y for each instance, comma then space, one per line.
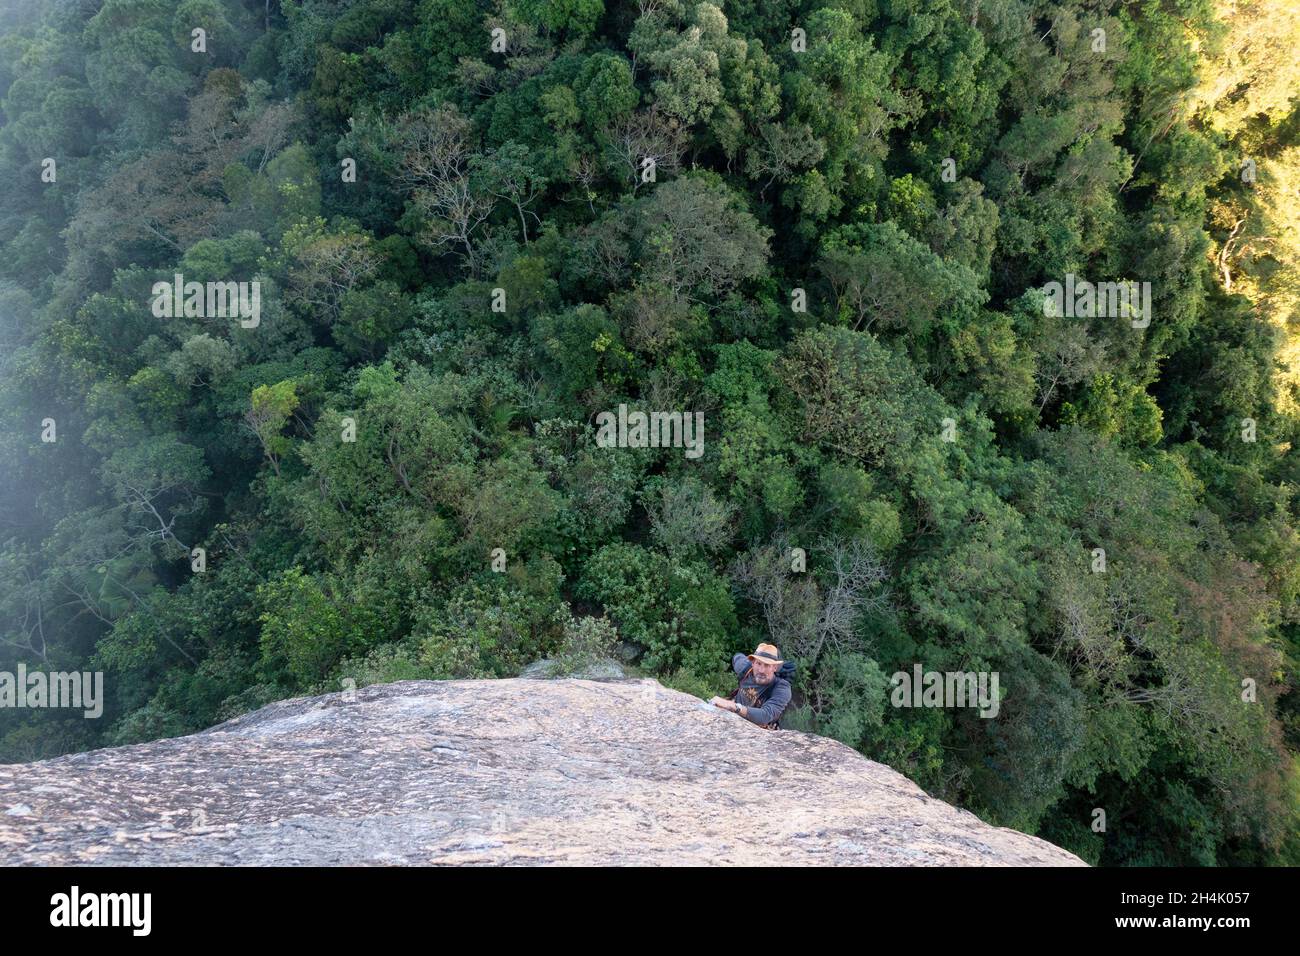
764, 671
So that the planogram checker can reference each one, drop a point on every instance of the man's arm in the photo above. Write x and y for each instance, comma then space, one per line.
739, 662
774, 706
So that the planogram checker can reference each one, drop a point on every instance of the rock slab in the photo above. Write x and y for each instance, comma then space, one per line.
516, 772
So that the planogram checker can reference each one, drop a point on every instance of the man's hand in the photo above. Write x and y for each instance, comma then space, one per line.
725, 704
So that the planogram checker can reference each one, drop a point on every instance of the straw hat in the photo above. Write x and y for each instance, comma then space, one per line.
767, 652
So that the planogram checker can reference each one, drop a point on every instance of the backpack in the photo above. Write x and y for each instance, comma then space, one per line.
784, 672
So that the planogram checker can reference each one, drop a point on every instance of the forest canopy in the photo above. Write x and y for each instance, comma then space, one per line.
445, 236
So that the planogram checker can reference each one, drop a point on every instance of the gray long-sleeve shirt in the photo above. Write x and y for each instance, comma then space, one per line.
750, 689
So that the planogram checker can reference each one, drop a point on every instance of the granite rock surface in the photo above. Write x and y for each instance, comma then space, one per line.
490, 772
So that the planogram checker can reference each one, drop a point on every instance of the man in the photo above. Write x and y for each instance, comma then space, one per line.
763, 693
